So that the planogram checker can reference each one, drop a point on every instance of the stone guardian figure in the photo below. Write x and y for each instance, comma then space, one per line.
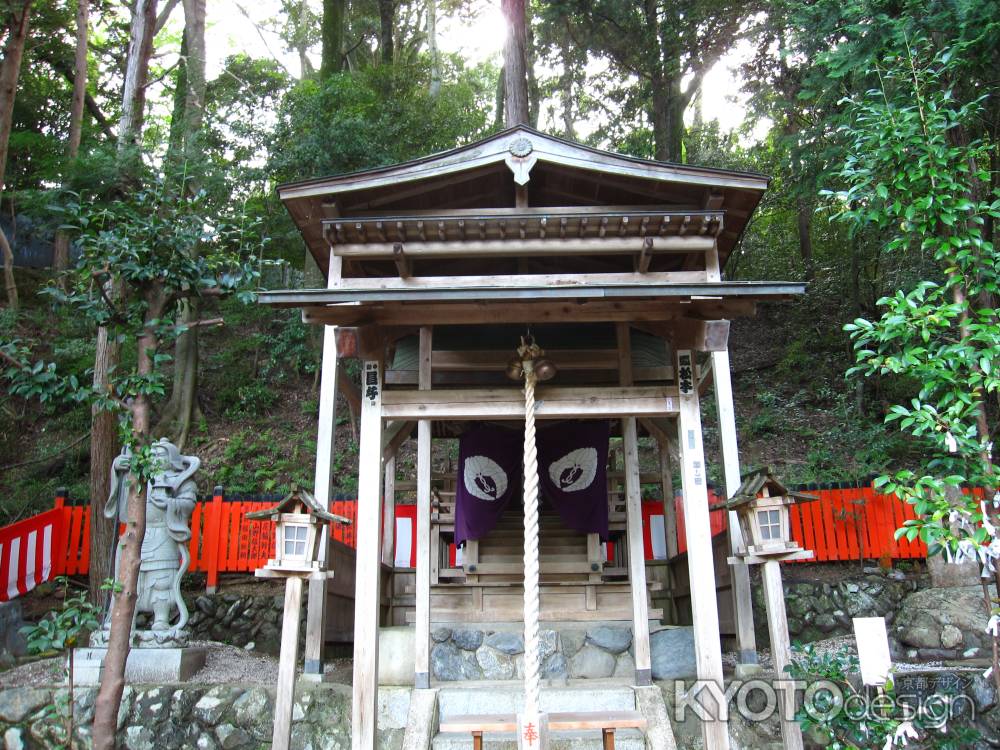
164, 557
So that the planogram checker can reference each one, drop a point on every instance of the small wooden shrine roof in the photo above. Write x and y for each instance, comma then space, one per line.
298, 501
755, 481
468, 194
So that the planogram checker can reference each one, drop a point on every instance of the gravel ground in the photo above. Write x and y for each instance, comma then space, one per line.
224, 665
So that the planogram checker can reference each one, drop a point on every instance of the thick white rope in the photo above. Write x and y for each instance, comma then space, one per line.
532, 690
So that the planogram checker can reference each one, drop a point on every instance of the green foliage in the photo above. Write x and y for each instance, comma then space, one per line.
61, 629
835, 719
376, 116
907, 174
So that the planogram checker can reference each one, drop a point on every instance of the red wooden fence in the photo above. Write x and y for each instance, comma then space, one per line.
846, 523
222, 539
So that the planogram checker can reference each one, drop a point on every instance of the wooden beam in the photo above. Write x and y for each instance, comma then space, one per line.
742, 599
516, 281
692, 333
553, 402
389, 510
474, 313
777, 626
403, 265
531, 246
367, 583
322, 478
285, 692
421, 677
698, 532
669, 506
646, 255
393, 436
633, 507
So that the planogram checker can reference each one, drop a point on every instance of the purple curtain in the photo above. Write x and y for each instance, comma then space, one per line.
489, 475
573, 473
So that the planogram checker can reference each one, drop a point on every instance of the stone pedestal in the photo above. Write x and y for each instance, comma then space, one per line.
150, 665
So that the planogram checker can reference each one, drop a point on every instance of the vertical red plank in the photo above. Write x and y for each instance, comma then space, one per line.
820, 526
853, 513
842, 523
213, 535
75, 526
85, 541
681, 533
59, 547
194, 544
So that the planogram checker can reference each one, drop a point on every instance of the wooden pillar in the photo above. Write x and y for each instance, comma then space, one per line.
742, 600
633, 508
421, 662
389, 511
368, 561
777, 626
698, 533
285, 696
669, 506
325, 446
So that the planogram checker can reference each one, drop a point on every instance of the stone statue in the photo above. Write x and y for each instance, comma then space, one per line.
164, 558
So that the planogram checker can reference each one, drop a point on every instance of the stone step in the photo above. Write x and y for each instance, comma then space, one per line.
625, 739
497, 699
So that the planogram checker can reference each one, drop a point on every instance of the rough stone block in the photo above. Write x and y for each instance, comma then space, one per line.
672, 654
144, 665
591, 662
396, 649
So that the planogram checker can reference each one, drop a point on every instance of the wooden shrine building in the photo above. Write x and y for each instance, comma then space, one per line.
435, 268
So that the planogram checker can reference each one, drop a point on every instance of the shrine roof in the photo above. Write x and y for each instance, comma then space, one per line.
474, 188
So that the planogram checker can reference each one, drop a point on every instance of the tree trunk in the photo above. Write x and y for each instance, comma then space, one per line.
566, 88
805, 236
182, 410
10, 70
432, 47
534, 91
499, 96
514, 71
60, 252
109, 695
140, 49
103, 449
386, 15
333, 38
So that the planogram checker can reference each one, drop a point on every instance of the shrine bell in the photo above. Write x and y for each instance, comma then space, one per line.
299, 524
761, 504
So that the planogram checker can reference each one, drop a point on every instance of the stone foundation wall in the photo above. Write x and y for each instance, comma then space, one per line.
818, 610
240, 619
572, 651
222, 717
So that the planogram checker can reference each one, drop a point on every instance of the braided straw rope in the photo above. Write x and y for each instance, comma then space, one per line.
532, 690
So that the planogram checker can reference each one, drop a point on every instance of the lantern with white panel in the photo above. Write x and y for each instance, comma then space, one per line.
299, 525
762, 505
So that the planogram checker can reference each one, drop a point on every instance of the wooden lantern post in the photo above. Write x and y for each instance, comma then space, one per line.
762, 506
300, 523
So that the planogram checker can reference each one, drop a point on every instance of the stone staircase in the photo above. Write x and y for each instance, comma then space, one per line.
506, 698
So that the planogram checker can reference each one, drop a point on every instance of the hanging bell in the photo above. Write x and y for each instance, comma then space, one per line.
544, 370
515, 370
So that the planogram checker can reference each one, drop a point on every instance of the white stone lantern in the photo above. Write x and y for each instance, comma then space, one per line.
762, 504
299, 525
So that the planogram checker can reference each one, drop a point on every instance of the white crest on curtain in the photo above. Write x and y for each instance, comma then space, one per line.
484, 478
575, 471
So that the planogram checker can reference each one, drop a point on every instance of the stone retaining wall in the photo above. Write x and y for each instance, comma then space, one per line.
572, 651
819, 610
240, 620
222, 717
